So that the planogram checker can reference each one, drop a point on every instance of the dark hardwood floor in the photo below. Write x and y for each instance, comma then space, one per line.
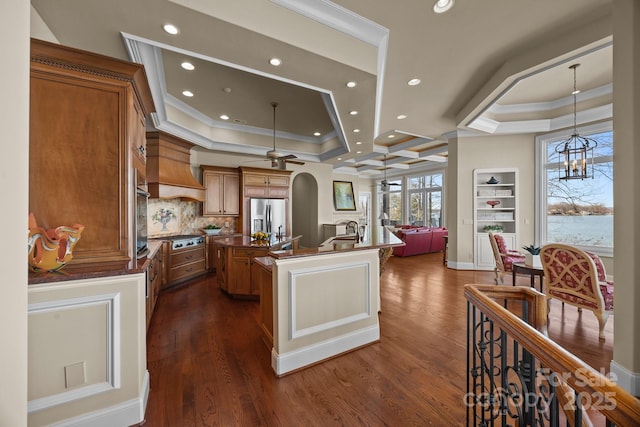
209, 366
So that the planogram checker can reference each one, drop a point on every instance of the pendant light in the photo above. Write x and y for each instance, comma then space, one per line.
576, 153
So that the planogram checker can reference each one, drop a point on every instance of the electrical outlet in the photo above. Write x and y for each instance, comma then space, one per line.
74, 375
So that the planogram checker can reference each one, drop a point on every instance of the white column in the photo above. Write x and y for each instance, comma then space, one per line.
14, 191
626, 110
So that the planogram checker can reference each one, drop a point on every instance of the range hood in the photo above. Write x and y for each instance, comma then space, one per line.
169, 168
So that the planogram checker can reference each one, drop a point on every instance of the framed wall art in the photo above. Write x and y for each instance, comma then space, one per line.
343, 199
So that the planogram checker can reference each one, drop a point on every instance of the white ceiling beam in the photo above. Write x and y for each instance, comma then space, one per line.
410, 144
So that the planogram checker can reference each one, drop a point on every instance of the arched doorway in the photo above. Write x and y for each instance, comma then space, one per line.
304, 209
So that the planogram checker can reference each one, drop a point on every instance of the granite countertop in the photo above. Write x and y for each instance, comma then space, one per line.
383, 239
247, 242
80, 271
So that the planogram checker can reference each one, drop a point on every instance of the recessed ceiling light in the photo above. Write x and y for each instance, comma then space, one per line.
391, 136
359, 143
187, 93
226, 90
358, 152
188, 66
353, 113
224, 117
413, 82
339, 158
352, 84
275, 61
401, 117
317, 134
442, 6
356, 130
171, 29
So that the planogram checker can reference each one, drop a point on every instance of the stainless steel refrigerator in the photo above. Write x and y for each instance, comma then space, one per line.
269, 215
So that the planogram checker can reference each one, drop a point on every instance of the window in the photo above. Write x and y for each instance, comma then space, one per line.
391, 198
425, 200
577, 212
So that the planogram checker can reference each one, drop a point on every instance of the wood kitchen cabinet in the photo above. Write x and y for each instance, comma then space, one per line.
220, 253
222, 191
186, 264
265, 183
213, 250
86, 120
137, 138
154, 282
234, 269
261, 183
240, 271
262, 276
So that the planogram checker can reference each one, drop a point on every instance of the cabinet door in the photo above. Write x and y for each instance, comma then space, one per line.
278, 181
279, 192
221, 194
256, 180
239, 276
213, 200
231, 198
484, 253
71, 181
137, 136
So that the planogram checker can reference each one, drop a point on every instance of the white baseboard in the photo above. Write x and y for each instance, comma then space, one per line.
287, 362
630, 381
126, 413
460, 265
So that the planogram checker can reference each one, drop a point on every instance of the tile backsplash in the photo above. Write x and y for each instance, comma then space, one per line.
187, 217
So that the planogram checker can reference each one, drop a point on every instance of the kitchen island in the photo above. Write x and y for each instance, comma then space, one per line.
317, 303
234, 259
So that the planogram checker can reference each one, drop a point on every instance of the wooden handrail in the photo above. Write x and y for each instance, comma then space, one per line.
614, 402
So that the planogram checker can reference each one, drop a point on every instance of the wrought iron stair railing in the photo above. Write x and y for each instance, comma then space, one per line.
517, 376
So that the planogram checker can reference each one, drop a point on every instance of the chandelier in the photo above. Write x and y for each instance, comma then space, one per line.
576, 153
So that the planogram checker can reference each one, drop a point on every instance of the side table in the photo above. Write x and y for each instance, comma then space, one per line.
522, 268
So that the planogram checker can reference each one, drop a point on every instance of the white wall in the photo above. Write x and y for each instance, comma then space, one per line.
513, 151
14, 190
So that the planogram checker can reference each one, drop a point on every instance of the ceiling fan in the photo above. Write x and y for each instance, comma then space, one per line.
277, 159
384, 184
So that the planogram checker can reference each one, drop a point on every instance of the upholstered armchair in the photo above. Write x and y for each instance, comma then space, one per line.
503, 256
577, 278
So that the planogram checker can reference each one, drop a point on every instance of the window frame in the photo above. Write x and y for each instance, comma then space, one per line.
425, 191
540, 187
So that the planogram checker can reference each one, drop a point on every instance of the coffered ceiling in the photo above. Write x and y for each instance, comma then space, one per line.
485, 67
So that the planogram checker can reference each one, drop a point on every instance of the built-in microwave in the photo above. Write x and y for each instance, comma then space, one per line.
142, 201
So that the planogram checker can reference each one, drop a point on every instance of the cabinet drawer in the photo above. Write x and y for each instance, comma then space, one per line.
249, 252
187, 256
187, 270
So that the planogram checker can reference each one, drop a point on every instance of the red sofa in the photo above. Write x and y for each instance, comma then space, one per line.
420, 240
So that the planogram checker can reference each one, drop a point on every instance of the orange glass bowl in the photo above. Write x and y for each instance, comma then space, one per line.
50, 250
